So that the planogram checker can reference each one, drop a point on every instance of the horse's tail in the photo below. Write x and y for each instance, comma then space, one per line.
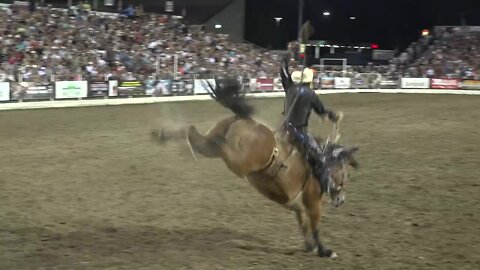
228, 92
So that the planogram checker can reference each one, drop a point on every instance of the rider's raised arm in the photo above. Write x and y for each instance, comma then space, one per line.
317, 105
286, 76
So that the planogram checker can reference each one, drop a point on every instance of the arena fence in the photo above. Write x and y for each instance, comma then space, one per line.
23, 95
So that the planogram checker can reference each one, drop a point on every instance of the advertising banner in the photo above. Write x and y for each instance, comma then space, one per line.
4, 91
178, 87
113, 88
388, 84
188, 86
277, 84
246, 85
445, 83
149, 86
326, 83
361, 82
163, 88
415, 83
158, 88
253, 85
71, 89
130, 89
98, 89
200, 86
264, 84
471, 84
31, 90
342, 83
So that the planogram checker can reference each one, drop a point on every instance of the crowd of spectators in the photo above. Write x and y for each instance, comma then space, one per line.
76, 43
452, 52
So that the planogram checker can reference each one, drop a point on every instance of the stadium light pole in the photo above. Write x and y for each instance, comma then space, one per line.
300, 20
120, 5
278, 20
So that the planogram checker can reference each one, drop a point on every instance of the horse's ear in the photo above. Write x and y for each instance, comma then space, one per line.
351, 160
353, 150
346, 155
347, 151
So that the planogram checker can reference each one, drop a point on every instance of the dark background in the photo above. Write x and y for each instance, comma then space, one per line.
390, 23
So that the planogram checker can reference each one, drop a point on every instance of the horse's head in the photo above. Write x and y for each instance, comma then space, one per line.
336, 161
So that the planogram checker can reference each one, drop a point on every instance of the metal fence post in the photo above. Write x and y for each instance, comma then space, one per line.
175, 66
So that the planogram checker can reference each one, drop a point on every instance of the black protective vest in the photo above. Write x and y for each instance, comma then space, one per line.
299, 102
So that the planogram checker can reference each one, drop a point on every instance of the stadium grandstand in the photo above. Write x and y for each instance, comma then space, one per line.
136, 45
50, 40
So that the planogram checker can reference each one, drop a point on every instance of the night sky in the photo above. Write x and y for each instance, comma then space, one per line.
392, 24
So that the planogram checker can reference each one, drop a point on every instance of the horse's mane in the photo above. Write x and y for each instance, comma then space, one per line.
334, 153
228, 92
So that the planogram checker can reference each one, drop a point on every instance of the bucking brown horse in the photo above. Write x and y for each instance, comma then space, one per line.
269, 161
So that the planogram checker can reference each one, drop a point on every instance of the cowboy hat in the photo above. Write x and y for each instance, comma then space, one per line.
306, 78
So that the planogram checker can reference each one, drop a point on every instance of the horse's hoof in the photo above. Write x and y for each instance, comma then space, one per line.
155, 134
158, 136
192, 129
162, 137
310, 247
327, 253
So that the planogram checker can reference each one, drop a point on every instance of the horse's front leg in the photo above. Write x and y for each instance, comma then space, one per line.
314, 215
312, 202
303, 222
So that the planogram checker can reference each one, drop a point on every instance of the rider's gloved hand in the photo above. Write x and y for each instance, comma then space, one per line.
335, 117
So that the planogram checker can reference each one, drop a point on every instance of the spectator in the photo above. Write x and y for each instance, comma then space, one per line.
72, 43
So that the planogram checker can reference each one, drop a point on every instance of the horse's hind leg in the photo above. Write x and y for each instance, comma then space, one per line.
197, 142
304, 224
167, 133
221, 128
207, 146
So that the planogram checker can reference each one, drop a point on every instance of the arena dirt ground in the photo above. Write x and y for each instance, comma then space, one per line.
86, 188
